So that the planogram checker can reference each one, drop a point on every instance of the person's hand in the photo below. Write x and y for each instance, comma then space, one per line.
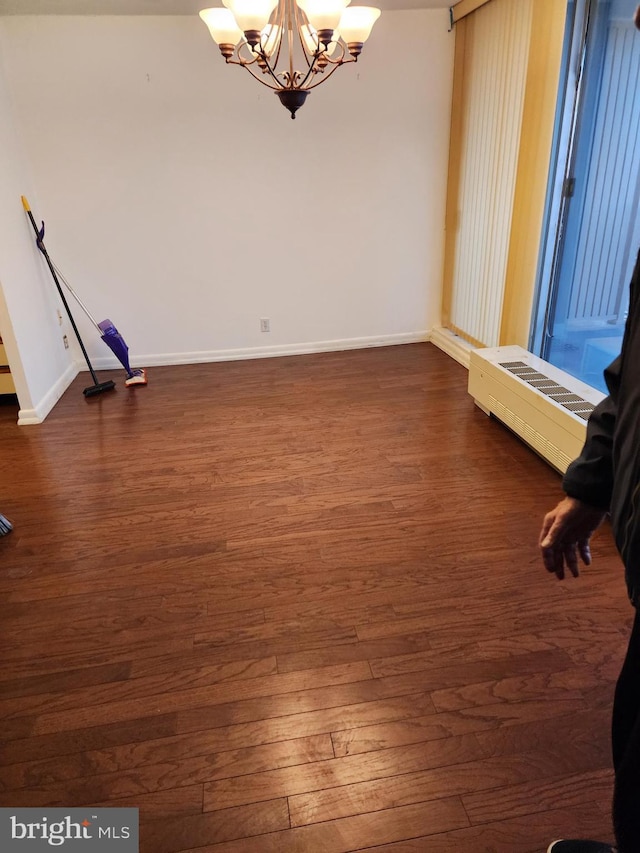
566, 532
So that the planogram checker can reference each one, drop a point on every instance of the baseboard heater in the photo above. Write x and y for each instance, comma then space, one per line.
546, 407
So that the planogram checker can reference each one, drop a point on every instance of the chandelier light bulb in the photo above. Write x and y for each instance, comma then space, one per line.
270, 39
357, 22
251, 15
222, 26
323, 15
310, 37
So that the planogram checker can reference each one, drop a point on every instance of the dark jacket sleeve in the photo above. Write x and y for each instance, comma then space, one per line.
590, 477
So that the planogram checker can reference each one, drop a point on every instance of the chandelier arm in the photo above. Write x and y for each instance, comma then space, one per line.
297, 20
244, 63
271, 71
279, 22
325, 77
292, 19
336, 63
269, 66
312, 66
261, 79
343, 59
310, 58
310, 71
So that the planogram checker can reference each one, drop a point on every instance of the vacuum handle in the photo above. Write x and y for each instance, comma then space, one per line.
41, 246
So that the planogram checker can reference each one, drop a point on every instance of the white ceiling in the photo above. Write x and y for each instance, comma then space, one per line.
162, 7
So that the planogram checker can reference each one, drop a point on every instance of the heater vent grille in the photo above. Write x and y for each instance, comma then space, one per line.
551, 389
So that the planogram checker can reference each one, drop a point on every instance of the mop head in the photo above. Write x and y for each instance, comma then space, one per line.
114, 340
138, 377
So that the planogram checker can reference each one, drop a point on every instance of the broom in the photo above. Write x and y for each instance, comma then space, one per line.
107, 331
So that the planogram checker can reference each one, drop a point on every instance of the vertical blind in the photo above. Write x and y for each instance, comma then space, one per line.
491, 73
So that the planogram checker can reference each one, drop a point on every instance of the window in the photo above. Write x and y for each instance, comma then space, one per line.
592, 226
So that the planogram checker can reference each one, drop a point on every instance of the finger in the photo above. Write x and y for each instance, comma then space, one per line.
547, 526
585, 552
556, 531
553, 561
571, 559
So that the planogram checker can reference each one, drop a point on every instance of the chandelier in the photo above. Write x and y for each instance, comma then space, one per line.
273, 39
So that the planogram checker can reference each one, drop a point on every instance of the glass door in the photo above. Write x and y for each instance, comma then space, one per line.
592, 222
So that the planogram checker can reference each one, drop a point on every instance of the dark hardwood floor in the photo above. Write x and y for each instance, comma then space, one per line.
295, 605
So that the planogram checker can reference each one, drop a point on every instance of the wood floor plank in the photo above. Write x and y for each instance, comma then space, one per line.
534, 796
62, 681
360, 693
570, 683
340, 771
530, 834
346, 652
586, 732
23, 666
438, 725
173, 802
171, 834
483, 781
275, 638
153, 639
137, 691
30, 768
344, 835
175, 773
54, 745
223, 692
307, 615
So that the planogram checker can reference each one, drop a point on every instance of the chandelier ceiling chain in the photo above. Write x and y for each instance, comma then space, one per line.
291, 46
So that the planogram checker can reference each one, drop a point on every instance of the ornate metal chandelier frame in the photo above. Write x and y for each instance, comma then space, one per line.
288, 21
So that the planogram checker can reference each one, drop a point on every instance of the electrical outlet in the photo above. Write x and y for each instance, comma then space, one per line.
265, 325
66, 341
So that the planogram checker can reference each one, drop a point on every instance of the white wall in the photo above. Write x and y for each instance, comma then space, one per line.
41, 368
183, 203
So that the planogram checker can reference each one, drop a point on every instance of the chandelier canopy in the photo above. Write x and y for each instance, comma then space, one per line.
290, 46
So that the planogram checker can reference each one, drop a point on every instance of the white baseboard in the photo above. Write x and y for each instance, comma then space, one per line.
453, 345
151, 359
27, 417
38, 414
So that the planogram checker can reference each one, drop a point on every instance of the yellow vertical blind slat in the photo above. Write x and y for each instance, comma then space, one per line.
506, 71
495, 61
